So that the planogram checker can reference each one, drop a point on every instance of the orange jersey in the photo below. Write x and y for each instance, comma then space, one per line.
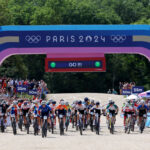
61, 107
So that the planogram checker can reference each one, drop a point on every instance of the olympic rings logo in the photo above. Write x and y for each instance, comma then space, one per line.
33, 39
118, 38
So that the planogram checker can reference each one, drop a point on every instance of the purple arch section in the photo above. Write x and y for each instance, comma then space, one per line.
74, 51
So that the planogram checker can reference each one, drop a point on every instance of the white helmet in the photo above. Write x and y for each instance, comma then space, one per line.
142, 101
43, 102
127, 105
62, 102
14, 102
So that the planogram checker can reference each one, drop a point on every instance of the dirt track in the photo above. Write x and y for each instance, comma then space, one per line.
73, 141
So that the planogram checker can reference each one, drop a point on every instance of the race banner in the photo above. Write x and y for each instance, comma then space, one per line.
137, 89
126, 92
22, 88
32, 92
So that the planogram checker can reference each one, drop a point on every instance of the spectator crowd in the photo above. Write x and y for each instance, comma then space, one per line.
125, 86
8, 86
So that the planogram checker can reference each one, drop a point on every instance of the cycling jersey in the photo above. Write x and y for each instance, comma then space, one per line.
25, 109
52, 106
13, 109
96, 109
128, 110
81, 108
44, 110
3, 108
142, 110
112, 109
62, 109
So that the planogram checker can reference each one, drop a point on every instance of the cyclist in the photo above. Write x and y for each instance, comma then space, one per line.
25, 107
68, 107
61, 109
3, 110
96, 109
34, 108
81, 108
112, 109
127, 110
44, 111
53, 106
13, 109
87, 106
142, 111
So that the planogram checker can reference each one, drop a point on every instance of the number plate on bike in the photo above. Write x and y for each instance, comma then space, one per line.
110, 115
129, 116
60, 116
80, 115
68, 114
12, 115
35, 115
92, 113
96, 114
45, 117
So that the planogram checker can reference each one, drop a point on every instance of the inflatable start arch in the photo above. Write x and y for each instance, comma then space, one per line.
76, 41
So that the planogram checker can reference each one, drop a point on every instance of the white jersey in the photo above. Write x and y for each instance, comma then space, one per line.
98, 108
80, 107
53, 107
25, 107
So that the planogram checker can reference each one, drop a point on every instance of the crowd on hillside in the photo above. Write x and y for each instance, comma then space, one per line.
8, 86
126, 86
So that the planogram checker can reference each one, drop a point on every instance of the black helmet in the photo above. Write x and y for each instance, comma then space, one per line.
86, 99
79, 102
53, 102
97, 103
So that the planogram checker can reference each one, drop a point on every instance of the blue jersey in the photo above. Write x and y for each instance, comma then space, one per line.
44, 110
140, 107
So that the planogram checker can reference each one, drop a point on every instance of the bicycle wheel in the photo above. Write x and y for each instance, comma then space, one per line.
2, 126
81, 127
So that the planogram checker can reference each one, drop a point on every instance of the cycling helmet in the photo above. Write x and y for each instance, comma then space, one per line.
14, 102
113, 102
62, 102
67, 103
50, 101
92, 101
43, 102
110, 102
3, 102
86, 99
142, 101
79, 102
25, 103
53, 102
97, 103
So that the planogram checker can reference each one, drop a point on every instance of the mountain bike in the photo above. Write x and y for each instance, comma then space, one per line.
13, 121
142, 124
67, 120
128, 124
81, 123
20, 122
35, 125
91, 120
111, 123
97, 123
2, 123
61, 124
52, 118
44, 127
27, 122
